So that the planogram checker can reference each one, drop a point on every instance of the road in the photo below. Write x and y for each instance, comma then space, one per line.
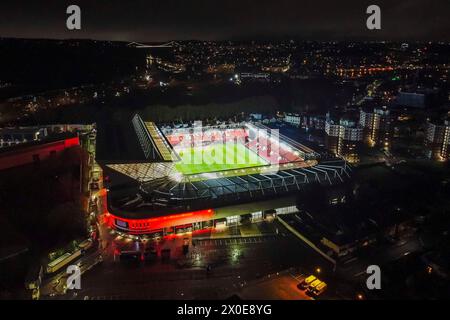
55, 284
357, 268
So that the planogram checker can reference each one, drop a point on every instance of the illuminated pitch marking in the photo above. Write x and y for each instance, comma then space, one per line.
217, 157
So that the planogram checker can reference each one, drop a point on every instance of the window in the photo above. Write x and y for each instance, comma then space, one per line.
257, 215
121, 223
233, 220
286, 210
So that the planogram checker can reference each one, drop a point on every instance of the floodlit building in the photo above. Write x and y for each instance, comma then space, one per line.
437, 140
344, 137
316, 122
293, 119
377, 127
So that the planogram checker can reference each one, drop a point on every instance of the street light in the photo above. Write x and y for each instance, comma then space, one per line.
318, 270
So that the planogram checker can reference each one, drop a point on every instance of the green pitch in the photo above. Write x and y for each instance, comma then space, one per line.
217, 157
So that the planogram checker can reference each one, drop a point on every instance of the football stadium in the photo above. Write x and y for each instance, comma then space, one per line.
164, 180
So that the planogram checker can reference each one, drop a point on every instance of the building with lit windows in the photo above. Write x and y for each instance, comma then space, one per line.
293, 119
165, 181
437, 140
377, 127
343, 137
13, 136
316, 122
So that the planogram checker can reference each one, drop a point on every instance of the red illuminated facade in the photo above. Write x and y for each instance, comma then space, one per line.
153, 224
26, 154
158, 224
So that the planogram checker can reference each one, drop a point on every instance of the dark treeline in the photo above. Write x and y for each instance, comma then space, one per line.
224, 111
35, 65
160, 113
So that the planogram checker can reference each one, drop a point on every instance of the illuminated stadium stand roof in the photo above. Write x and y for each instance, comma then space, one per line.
153, 143
144, 182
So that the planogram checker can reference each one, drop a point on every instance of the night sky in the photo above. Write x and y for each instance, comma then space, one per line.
147, 20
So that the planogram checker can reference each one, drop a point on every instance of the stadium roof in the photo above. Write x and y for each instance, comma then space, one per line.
166, 195
132, 141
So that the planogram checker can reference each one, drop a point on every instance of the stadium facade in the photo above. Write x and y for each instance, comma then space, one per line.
168, 180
